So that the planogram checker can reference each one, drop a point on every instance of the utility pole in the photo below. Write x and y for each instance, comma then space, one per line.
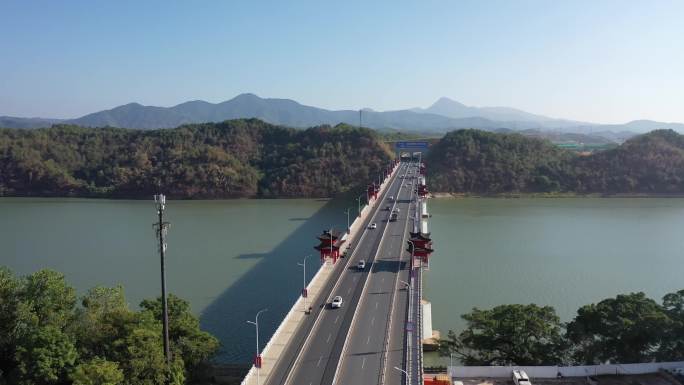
162, 228
347, 211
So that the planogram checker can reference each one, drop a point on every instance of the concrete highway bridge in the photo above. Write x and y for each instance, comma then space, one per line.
376, 336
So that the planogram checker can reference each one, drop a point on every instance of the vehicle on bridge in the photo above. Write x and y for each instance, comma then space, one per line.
521, 378
393, 216
336, 302
361, 265
373, 226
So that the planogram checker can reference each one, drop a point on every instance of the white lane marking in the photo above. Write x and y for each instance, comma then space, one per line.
328, 340
367, 340
319, 361
382, 280
336, 318
372, 321
349, 290
363, 363
376, 305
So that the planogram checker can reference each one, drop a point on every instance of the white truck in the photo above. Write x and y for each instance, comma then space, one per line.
521, 378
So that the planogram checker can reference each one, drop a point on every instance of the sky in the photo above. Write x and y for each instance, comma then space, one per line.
600, 61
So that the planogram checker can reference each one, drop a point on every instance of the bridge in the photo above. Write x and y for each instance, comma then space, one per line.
376, 336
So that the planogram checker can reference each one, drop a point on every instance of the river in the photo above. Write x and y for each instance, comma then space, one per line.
232, 258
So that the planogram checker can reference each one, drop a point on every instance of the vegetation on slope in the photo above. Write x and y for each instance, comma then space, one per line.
475, 161
239, 158
629, 328
46, 338
472, 161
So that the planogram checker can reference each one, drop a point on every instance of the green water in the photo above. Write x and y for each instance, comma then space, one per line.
559, 252
233, 258
228, 258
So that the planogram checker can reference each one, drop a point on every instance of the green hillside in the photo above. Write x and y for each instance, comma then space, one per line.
238, 158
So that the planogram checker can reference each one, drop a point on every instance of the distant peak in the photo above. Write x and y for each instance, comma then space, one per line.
444, 101
131, 105
247, 95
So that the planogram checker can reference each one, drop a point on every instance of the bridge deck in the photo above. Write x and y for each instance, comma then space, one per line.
313, 356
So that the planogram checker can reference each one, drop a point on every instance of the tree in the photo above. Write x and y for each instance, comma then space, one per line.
672, 347
103, 318
193, 345
45, 339
625, 329
44, 356
508, 335
9, 306
145, 364
49, 298
97, 371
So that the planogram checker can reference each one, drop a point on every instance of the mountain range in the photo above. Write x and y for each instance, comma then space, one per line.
442, 116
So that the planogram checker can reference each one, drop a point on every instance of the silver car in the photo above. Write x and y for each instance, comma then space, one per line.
336, 302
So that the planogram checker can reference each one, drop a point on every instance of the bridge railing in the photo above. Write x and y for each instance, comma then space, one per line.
565, 371
419, 321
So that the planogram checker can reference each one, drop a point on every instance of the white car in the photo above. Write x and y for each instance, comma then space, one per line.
361, 265
373, 226
521, 378
336, 302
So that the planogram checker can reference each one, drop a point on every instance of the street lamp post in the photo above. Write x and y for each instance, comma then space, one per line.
413, 250
347, 211
408, 380
451, 362
257, 359
359, 204
304, 291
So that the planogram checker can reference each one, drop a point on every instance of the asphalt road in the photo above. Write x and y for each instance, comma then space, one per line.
313, 355
376, 340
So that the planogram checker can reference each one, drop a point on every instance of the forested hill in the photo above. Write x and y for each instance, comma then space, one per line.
479, 162
238, 158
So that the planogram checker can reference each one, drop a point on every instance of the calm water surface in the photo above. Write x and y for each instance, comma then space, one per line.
228, 258
559, 252
233, 258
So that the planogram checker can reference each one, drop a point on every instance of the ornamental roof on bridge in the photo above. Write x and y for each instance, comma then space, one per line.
336, 234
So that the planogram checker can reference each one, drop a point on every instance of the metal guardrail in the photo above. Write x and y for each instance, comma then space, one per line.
385, 349
419, 327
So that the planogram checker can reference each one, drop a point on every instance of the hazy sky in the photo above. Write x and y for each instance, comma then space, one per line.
601, 61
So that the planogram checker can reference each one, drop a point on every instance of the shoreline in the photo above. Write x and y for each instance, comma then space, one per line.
437, 195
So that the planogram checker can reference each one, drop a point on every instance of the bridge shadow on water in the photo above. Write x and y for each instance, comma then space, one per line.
275, 283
